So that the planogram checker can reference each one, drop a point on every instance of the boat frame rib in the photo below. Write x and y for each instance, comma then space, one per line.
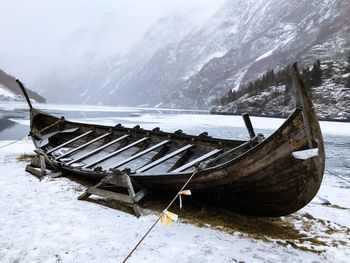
141, 153
164, 158
197, 160
68, 142
83, 145
116, 152
98, 149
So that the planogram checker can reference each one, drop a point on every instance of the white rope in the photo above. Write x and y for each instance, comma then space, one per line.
6, 145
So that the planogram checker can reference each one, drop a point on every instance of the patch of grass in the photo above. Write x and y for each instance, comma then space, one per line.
25, 157
206, 215
339, 207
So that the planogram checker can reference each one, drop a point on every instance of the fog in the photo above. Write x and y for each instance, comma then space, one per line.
39, 36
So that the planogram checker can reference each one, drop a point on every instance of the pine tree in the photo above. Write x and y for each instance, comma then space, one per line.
316, 74
347, 84
347, 70
306, 77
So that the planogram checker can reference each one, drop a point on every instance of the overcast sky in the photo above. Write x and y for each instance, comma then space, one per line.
39, 35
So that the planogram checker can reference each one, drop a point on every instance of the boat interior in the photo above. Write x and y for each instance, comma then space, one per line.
135, 150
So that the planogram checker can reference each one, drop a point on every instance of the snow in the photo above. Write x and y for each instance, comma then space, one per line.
305, 154
267, 54
6, 94
42, 221
45, 223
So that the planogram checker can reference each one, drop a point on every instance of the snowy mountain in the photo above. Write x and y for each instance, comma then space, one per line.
179, 65
105, 83
266, 35
9, 90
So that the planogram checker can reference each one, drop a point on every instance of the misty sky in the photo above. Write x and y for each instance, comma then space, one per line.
38, 36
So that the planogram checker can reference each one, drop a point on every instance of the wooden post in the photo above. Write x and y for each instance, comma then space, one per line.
37, 166
249, 125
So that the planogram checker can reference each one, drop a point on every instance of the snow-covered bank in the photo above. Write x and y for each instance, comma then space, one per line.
42, 221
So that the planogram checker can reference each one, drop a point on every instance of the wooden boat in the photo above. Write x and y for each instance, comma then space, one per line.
275, 176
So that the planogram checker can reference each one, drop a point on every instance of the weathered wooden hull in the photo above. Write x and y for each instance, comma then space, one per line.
261, 178
266, 181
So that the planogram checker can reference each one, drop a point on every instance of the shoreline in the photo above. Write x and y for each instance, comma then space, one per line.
277, 116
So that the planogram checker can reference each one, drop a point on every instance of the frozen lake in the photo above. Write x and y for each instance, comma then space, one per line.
314, 234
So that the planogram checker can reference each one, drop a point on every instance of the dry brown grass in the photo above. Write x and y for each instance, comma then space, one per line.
25, 157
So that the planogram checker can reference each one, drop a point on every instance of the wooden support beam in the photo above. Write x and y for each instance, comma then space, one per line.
249, 125
35, 171
199, 159
37, 166
164, 158
83, 145
111, 195
140, 154
115, 152
86, 195
120, 180
98, 149
68, 142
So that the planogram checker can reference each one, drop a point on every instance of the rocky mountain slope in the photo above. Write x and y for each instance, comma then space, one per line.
266, 35
177, 65
9, 90
331, 97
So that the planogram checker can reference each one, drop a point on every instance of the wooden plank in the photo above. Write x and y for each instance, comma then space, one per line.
199, 159
141, 194
140, 153
115, 152
44, 140
231, 151
68, 142
116, 179
86, 195
35, 171
182, 160
83, 145
98, 149
111, 195
164, 158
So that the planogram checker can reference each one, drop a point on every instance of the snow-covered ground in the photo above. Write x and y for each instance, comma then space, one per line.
7, 95
42, 221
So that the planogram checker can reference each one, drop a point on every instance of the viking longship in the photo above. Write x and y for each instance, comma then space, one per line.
271, 176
